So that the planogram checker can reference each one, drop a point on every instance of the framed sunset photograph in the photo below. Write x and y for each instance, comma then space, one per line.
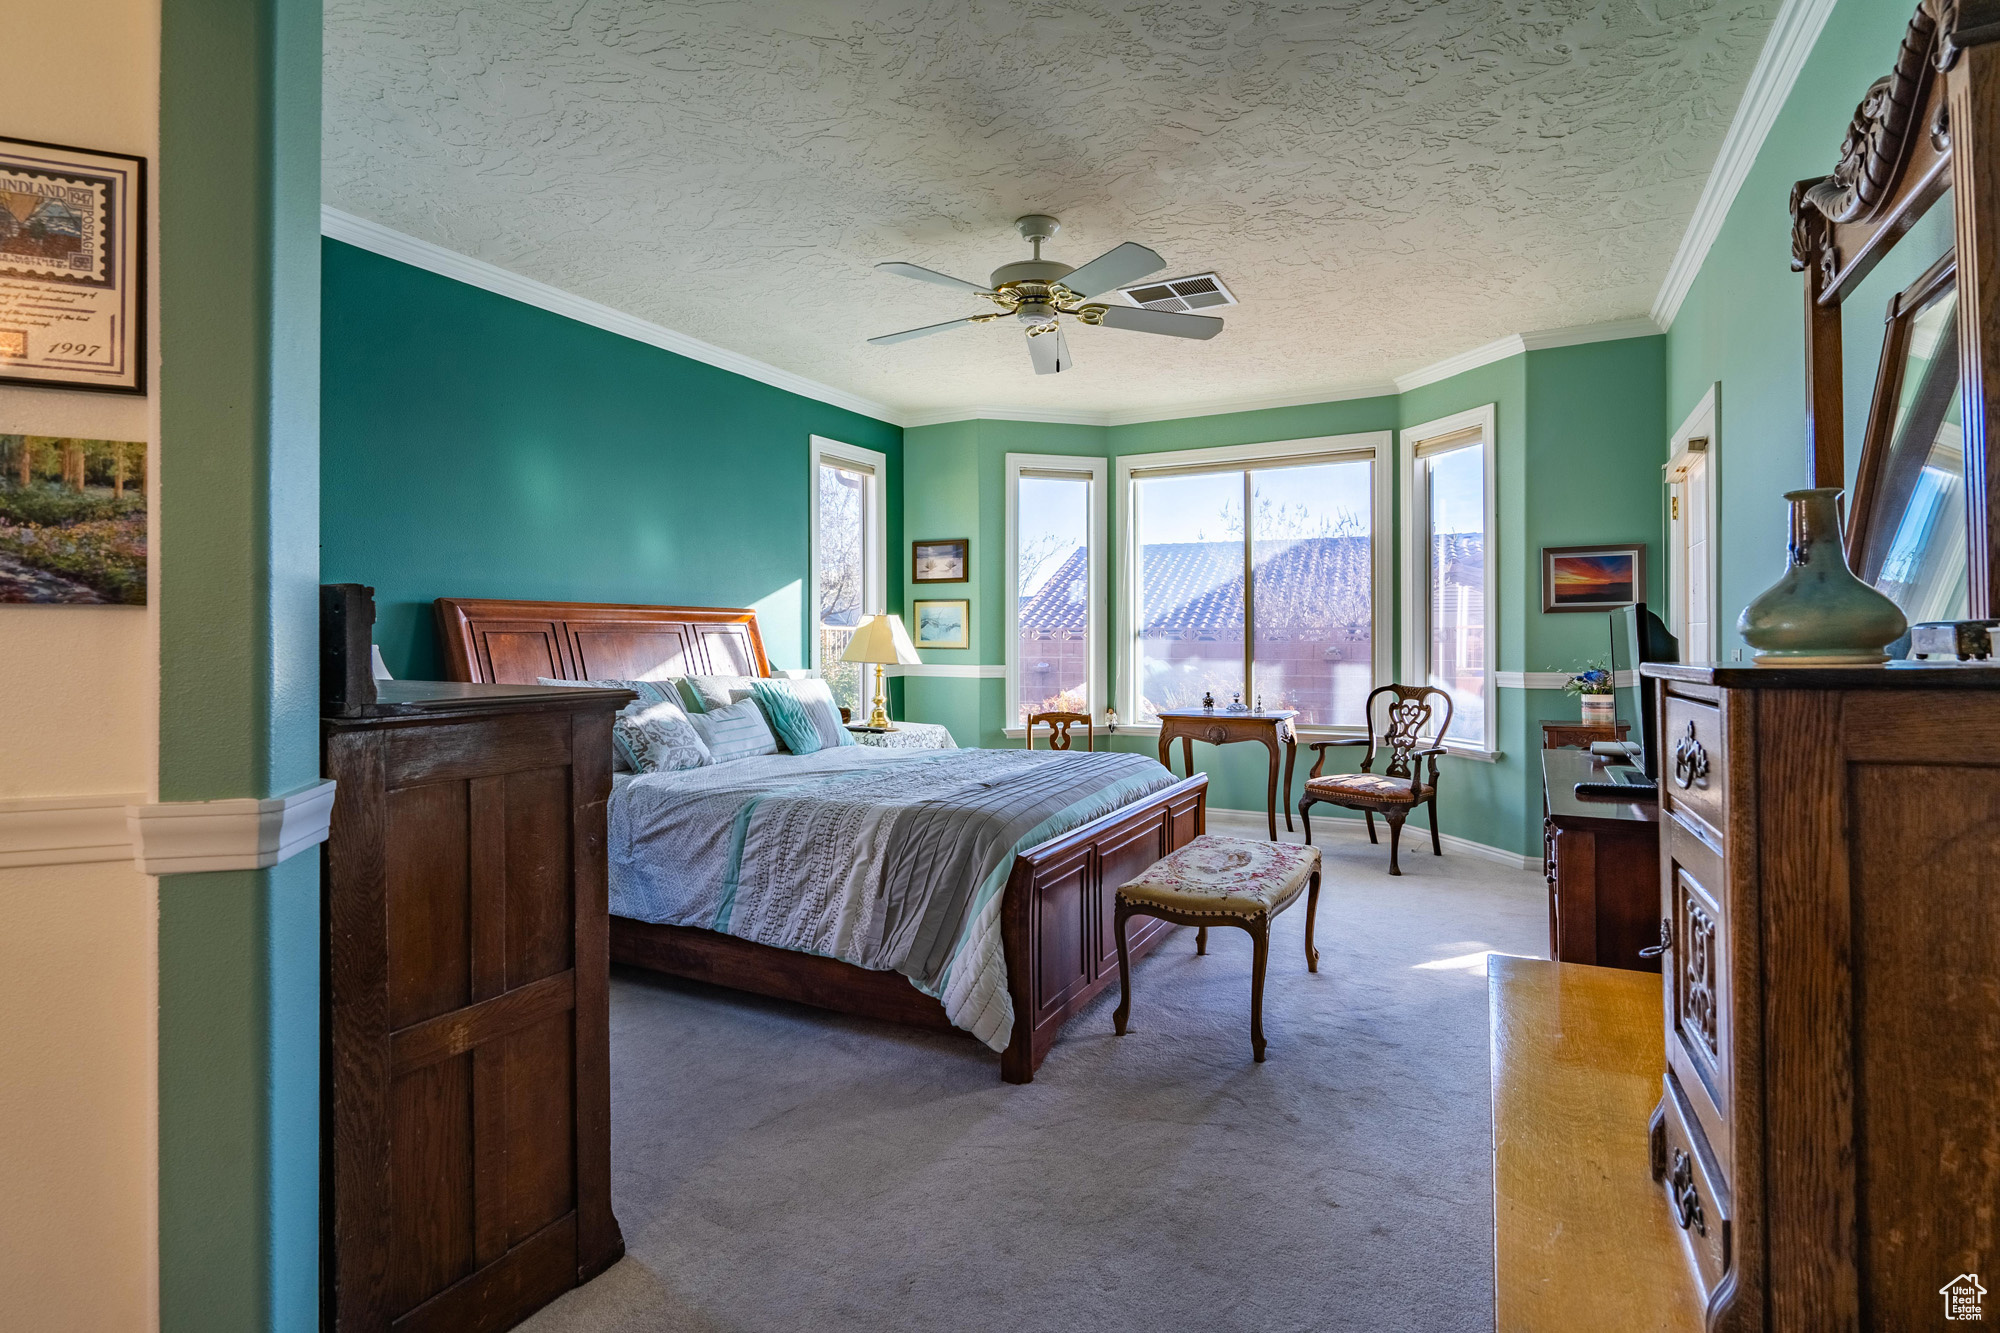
1592, 578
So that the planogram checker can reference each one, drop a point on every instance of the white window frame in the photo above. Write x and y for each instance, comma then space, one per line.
1416, 558
1377, 446
1097, 470
874, 533
1697, 434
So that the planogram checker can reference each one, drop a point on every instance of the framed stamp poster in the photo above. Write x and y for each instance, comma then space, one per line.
72, 267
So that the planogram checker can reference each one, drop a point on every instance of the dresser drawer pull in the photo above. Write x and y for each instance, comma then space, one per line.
1666, 940
1690, 760
1686, 1200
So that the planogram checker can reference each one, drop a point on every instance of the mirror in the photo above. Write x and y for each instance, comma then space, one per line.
1910, 494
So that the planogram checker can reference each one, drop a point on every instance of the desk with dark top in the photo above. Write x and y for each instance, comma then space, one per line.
1602, 860
1219, 726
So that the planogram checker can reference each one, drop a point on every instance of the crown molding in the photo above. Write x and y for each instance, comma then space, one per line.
1793, 34
396, 245
406, 249
180, 837
1515, 344
65, 830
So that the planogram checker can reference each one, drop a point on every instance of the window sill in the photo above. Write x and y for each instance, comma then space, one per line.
1474, 752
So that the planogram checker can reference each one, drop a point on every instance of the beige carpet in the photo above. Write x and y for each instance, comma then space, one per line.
778, 1168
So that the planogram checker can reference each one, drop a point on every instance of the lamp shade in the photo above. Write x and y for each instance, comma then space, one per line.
881, 639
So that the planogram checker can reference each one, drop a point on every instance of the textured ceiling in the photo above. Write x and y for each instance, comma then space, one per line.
1382, 182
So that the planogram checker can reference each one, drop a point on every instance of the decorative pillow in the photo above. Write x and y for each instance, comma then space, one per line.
787, 716
817, 696
658, 738
735, 731
651, 735
702, 694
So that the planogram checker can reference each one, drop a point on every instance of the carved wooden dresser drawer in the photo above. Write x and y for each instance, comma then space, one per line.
1827, 1142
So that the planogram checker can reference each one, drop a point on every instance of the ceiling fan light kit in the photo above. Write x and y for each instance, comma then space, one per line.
1038, 292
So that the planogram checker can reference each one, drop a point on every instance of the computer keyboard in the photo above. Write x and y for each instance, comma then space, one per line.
1618, 791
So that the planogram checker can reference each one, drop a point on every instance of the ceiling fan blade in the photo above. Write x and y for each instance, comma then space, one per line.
908, 334
1049, 352
922, 274
1142, 320
1114, 268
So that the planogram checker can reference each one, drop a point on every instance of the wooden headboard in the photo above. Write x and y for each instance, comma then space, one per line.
511, 643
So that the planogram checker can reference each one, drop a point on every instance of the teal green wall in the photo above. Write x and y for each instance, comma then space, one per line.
237, 566
474, 446
1578, 461
1742, 324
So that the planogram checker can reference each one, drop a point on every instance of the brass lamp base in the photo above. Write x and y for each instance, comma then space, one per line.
879, 719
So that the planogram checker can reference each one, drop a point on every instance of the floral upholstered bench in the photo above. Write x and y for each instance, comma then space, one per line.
1216, 881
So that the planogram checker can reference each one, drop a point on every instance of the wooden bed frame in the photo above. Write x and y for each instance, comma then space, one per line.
1056, 915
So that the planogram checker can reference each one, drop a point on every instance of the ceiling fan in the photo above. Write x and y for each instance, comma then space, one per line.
1038, 291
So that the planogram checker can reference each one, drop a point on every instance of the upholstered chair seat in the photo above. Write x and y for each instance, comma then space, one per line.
1227, 882
1377, 789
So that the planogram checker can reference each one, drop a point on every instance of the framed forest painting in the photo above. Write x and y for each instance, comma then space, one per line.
72, 520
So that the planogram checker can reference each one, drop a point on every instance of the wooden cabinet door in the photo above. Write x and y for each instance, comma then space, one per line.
466, 1192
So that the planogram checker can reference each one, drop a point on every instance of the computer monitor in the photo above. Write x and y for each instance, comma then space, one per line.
1639, 636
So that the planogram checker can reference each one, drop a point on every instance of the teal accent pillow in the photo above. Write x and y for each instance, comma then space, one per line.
788, 717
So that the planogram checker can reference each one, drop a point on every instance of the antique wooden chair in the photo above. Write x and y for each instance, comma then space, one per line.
1059, 725
1401, 786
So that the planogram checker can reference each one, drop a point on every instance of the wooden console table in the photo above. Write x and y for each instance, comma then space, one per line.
1602, 862
1583, 1239
1219, 727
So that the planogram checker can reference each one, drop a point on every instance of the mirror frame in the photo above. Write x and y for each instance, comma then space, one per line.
1879, 438
1921, 130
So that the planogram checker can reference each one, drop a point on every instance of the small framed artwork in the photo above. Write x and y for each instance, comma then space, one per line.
1592, 578
940, 561
72, 268
72, 520
944, 624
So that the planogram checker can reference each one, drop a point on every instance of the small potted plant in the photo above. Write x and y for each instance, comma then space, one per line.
1593, 686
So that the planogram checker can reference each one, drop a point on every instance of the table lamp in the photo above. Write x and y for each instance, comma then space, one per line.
881, 640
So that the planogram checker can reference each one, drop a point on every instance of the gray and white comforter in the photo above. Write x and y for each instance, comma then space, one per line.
892, 860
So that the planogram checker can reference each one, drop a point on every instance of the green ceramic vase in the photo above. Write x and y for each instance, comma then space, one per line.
1819, 614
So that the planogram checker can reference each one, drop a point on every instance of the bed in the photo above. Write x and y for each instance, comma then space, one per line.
1048, 905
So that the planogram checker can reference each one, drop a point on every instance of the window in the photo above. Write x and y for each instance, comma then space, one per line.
1055, 559
1447, 575
1253, 574
849, 542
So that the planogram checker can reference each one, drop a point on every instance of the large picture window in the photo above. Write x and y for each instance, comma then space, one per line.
849, 543
1055, 562
1253, 575
1448, 571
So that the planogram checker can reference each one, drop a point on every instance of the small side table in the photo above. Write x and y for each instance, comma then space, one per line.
1218, 726
1579, 735
906, 736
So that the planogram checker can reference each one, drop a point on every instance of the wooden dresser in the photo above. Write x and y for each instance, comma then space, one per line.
467, 1119
1828, 1142
1602, 863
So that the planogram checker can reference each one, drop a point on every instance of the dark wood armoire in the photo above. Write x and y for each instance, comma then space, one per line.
467, 1091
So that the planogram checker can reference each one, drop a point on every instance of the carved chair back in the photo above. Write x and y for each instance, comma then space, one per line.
1410, 711
1059, 725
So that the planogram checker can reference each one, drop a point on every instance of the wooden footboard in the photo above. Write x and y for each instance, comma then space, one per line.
1056, 920
1055, 923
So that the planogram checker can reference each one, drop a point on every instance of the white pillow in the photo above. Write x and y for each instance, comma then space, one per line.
703, 693
817, 697
734, 731
651, 735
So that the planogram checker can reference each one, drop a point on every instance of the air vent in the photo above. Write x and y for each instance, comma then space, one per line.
1203, 291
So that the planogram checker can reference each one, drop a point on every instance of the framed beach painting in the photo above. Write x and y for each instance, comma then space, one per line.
944, 624
940, 561
1592, 578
